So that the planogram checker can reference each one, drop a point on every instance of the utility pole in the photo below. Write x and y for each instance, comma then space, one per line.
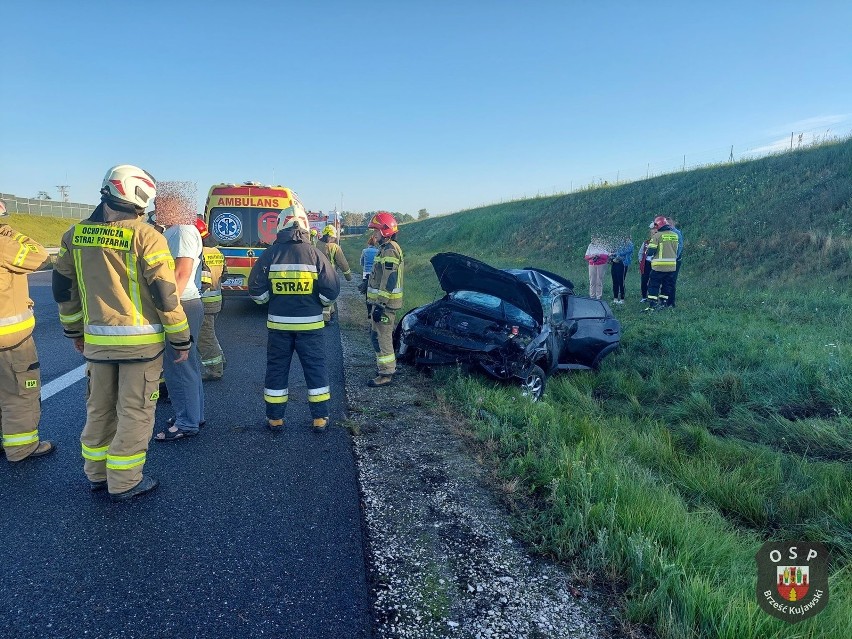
791, 140
63, 191
731, 157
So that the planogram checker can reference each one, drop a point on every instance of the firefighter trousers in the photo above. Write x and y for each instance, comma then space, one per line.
661, 288
120, 404
310, 346
381, 335
212, 358
20, 399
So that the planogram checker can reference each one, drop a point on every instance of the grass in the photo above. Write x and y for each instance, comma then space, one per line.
47, 231
715, 427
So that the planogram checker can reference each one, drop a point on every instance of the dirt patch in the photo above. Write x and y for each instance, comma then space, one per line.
443, 562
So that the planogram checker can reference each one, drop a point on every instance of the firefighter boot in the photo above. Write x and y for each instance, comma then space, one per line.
147, 484
320, 424
382, 379
275, 425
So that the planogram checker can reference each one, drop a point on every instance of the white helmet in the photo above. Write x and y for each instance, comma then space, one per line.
3, 211
291, 216
130, 184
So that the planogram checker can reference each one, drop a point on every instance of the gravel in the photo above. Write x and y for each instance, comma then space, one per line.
443, 562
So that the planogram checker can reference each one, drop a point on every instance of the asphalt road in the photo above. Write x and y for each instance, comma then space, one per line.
251, 534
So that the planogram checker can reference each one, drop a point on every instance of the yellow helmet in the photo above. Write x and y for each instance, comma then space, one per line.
329, 230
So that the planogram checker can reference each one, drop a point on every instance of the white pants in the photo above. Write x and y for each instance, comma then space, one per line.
596, 275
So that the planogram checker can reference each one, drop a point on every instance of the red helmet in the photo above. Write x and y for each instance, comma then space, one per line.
384, 223
202, 227
660, 221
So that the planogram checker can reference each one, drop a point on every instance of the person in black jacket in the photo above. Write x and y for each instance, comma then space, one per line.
298, 281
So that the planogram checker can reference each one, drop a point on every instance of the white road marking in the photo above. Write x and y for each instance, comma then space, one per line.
62, 382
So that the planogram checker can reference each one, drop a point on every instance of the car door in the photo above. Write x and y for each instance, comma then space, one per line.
596, 333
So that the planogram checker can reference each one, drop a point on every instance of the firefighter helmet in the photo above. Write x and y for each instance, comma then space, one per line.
384, 223
3, 211
329, 230
129, 184
202, 227
293, 216
313, 232
660, 221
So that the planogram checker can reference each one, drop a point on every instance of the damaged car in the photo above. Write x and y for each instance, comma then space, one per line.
513, 324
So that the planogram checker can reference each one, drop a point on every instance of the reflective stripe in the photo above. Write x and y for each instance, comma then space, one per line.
22, 254
145, 329
210, 299
261, 299
206, 278
9, 325
177, 328
283, 319
210, 362
159, 256
124, 340
95, 454
70, 319
388, 260
133, 288
21, 439
125, 462
385, 359
310, 268
81, 284
272, 396
277, 326
325, 301
62, 251
319, 394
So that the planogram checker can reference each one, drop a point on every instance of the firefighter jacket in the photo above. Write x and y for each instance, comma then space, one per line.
335, 255
213, 271
662, 247
19, 255
296, 279
384, 287
114, 282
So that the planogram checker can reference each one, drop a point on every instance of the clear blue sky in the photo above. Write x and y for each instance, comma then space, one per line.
400, 105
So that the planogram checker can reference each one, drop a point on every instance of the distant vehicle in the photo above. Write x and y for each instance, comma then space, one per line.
515, 324
243, 218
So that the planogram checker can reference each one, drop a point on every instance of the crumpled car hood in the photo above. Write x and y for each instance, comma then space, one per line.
461, 273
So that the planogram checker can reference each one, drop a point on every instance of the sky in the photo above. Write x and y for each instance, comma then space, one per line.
405, 105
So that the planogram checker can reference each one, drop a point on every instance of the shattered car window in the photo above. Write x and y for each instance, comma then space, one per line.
493, 305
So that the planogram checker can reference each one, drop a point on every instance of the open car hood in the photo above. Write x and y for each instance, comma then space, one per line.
461, 273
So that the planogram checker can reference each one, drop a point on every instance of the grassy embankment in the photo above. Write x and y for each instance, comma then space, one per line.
47, 231
716, 426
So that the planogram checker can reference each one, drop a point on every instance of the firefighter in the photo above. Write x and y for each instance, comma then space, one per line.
384, 294
20, 382
115, 285
314, 237
298, 281
212, 273
331, 249
662, 247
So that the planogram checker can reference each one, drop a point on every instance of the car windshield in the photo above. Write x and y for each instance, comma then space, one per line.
492, 305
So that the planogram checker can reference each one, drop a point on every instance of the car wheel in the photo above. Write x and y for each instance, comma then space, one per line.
533, 385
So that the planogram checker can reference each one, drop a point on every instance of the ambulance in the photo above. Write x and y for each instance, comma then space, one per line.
243, 218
